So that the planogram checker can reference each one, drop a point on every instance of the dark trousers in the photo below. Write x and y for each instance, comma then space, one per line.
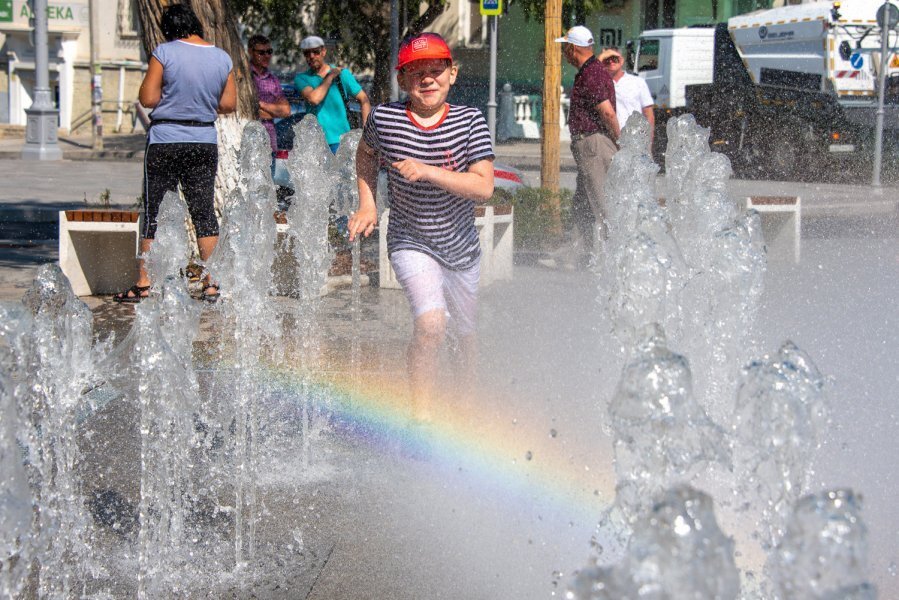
191, 165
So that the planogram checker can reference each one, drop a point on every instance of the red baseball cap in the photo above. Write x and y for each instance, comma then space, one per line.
424, 46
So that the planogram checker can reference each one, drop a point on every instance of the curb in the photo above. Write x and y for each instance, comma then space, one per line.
530, 164
45, 214
85, 155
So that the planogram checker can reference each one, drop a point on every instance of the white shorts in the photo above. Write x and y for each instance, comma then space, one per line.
428, 286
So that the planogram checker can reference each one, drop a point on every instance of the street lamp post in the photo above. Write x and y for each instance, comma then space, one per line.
491, 99
887, 17
42, 119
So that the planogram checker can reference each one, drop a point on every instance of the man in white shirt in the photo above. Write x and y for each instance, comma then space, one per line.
631, 92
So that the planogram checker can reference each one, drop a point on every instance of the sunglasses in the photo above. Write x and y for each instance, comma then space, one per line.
268, 52
612, 59
312, 52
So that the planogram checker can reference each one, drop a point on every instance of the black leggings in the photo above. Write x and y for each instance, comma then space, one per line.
191, 165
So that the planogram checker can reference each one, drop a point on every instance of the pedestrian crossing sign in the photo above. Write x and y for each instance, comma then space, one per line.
491, 8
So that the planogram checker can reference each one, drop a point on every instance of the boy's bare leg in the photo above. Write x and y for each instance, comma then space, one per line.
428, 333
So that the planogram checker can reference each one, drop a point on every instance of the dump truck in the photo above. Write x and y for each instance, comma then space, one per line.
786, 91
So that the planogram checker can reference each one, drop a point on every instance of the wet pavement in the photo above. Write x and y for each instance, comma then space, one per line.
32, 193
509, 503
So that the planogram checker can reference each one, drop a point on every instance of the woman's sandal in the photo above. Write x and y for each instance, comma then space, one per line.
211, 298
132, 295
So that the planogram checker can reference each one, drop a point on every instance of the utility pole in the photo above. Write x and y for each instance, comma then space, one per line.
491, 99
492, 9
887, 17
42, 117
96, 78
552, 81
394, 48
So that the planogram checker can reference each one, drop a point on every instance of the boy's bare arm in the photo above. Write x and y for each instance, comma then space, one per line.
366, 216
475, 184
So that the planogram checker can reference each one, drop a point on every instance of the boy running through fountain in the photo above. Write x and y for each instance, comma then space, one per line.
439, 159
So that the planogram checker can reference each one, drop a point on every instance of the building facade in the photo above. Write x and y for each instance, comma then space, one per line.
120, 57
520, 41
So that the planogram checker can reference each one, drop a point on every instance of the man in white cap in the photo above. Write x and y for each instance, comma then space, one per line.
326, 89
631, 92
594, 133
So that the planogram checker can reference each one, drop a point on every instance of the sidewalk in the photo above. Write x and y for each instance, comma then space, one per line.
118, 147
523, 154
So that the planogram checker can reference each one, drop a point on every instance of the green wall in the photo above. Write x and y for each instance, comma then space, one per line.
520, 47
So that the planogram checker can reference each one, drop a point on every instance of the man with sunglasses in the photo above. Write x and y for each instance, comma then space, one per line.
272, 103
594, 135
631, 92
325, 88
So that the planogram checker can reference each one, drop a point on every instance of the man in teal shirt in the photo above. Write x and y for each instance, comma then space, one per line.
319, 87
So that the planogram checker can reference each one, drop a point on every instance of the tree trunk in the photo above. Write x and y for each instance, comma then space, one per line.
219, 28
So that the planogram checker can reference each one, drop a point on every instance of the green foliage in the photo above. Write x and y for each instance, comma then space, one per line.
535, 216
361, 28
574, 12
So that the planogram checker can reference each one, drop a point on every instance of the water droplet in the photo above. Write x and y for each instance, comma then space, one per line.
892, 569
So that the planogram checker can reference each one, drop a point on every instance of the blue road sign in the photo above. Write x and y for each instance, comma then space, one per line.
857, 60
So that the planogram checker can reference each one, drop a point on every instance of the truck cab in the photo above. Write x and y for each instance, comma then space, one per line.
671, 59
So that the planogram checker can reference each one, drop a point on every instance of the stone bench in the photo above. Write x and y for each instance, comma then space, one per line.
792, 205
495, 225
98, 249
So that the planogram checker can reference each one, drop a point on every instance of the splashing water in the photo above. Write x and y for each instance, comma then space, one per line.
204, 435
779, 420
725, 252
16, 497
824, 550
642, 271
771, 417
313, 172
242, 264
347, 199
170, 251
677, 552
662, 435
60, 367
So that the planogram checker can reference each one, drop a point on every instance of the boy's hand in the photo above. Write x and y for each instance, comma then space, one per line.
363, 221
412, 169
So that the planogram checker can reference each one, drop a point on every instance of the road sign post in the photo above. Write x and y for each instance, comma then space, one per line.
887, 18
492, 9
